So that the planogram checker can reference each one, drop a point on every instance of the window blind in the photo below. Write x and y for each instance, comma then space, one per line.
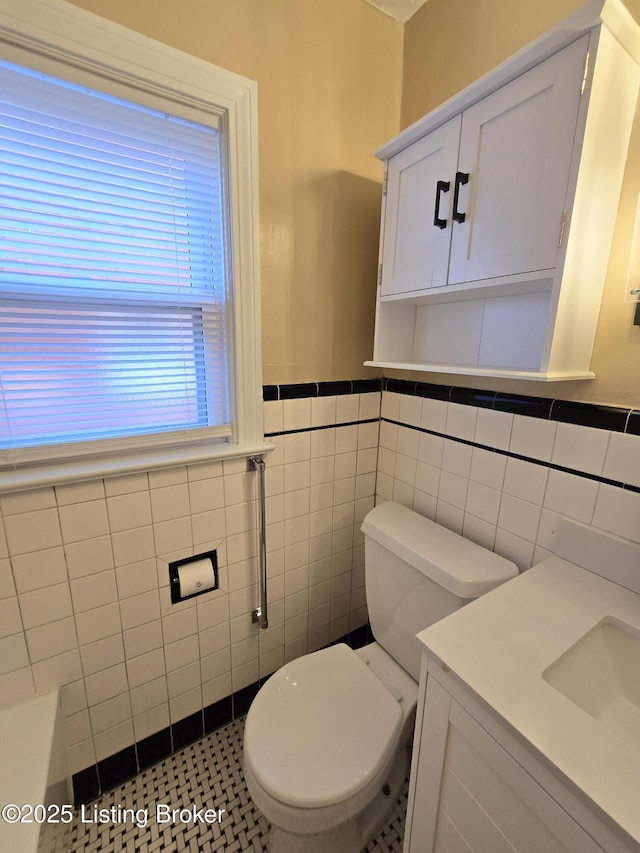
113, 281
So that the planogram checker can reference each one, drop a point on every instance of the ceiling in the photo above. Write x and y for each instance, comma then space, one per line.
401, 10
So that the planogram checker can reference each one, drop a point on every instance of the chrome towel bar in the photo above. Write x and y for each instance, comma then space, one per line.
259, 615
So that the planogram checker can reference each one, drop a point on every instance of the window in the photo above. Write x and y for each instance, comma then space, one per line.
112, 268
128, 292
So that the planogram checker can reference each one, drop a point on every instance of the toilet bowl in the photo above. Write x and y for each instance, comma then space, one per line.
351, 754
326, 738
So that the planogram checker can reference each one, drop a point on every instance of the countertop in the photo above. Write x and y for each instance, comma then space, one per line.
499, 646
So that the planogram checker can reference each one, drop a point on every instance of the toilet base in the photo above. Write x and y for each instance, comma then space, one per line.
354, 835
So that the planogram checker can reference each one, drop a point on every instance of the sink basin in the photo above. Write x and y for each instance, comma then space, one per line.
601, 674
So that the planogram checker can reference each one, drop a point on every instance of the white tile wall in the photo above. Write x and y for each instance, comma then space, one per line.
503, 503
84, 584
84, 587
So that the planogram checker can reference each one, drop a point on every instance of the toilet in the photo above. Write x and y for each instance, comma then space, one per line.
327, 736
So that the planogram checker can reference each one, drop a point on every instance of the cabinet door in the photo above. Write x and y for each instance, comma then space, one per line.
517, 146
469, 793
415, 253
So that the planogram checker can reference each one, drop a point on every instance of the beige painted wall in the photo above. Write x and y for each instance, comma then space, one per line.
329, 78
450, 43
329, 75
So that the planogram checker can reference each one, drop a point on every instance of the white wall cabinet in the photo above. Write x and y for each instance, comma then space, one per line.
517, 144
415, 257
483, 196
500, 207
474, 787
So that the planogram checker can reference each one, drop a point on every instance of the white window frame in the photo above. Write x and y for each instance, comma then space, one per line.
62, 40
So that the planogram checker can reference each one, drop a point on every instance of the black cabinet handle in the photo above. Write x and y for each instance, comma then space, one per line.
462, 178
441, 187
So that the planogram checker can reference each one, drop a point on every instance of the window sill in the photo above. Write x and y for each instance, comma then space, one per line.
73, 471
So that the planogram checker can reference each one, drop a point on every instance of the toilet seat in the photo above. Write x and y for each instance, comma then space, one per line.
320, 729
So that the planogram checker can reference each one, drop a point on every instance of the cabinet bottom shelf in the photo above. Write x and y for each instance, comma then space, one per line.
497, 373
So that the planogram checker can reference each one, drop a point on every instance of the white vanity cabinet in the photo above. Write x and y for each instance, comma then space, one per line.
474, 787
499, 209
521, 742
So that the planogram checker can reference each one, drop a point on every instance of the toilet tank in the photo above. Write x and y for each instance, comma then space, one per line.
417, 572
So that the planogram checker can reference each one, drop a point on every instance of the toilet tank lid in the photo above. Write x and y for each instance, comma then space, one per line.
462, 567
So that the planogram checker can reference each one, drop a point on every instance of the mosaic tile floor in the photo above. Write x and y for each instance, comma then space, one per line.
206, 774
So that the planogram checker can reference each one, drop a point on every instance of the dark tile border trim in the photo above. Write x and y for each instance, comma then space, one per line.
532, 407
614, 418
297, 392
633, 424
320, 389
596, 416
269, 393
472, 397
90, 783
429, 390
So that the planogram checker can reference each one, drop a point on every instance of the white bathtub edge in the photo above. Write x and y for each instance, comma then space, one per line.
30, 734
